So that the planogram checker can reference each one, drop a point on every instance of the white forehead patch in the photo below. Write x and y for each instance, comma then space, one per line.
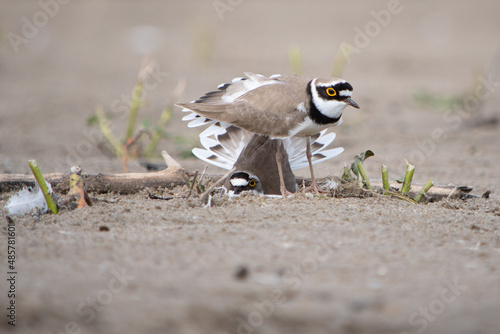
345, 92
329, 84
239, 182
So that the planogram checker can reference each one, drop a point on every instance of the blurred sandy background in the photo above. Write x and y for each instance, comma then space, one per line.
389, 258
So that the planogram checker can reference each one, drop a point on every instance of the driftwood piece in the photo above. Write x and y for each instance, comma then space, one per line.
124, 183
174, 175
436, 192
131, 183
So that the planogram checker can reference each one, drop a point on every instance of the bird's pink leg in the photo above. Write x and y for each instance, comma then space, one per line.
314, 186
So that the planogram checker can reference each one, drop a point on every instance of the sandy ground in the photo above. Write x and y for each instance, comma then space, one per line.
257, 265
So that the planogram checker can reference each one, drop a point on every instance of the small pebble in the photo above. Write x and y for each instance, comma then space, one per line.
241, 273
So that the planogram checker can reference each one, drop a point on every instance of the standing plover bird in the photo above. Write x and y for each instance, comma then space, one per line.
278, 107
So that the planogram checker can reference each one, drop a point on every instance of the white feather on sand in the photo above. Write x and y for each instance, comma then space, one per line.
28, 199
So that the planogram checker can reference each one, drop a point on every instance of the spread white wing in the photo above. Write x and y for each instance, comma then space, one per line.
222, 144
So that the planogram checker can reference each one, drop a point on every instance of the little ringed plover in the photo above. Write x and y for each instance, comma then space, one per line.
278, 107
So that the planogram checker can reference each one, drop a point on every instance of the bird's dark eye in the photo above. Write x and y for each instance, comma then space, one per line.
331, 91
252, 183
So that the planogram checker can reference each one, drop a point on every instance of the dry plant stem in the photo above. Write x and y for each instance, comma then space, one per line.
347, 173
410, 169
164, 118
200, 186
402, 197
202, 175
192, 184
157, 132
43, 186
136, 98
362, 174
341, 59
391, 193
385, 179
130, 142
424, 190
77, 188
454, 193
222, 179
125, 159
295, 58
106, 131
134, 107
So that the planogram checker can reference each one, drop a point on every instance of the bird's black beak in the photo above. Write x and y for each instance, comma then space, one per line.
351, 102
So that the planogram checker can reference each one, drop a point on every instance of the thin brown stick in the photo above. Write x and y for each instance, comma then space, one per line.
204, 196
131, 141
192, 184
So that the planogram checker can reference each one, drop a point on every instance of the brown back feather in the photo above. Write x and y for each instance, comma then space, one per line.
268, 110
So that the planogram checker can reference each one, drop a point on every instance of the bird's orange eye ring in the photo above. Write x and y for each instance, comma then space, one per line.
331, 92
252, 183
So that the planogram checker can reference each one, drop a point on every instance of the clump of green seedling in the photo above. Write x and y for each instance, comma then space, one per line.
129, 146
364, 183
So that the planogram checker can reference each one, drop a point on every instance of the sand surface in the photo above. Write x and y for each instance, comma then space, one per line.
305, 264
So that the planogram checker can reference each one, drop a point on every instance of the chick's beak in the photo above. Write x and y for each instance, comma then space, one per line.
351, 102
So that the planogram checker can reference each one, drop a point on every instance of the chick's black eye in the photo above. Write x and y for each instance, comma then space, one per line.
252, 183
